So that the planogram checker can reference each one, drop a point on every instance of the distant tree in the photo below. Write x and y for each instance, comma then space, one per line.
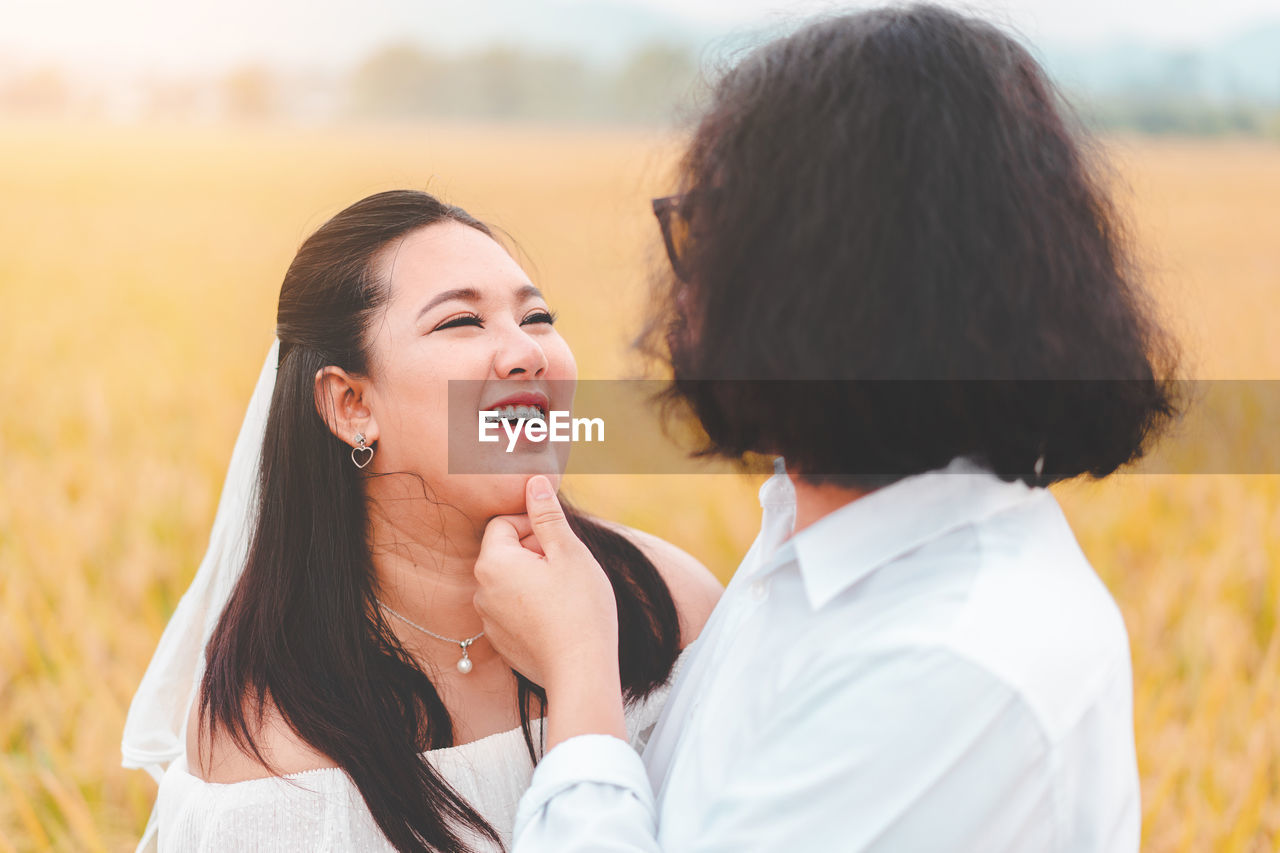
1182, 73
506, 82
42, 92
175, 99
509, 83
655, 82
249, 93
1178, 116
398, 81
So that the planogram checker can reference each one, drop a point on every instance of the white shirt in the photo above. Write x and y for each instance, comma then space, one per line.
932, 667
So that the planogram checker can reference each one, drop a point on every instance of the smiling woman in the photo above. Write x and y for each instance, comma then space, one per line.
460, 309
348, 698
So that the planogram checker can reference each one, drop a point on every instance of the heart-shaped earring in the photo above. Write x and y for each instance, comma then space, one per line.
361, 449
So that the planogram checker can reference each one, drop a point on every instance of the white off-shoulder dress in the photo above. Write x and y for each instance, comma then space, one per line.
322, 810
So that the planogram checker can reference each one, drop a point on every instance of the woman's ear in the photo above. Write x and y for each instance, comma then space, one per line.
342, 404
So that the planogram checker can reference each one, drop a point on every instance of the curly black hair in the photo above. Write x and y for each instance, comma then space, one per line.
899, 250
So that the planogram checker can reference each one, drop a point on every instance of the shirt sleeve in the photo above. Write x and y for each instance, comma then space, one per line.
910, 749
590, 792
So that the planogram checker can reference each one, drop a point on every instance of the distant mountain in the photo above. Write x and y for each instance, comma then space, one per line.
604, 32
203, 36
1250, 64
573, 60
335, 35
1244, 67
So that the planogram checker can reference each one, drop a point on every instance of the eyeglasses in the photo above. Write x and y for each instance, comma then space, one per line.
675, 230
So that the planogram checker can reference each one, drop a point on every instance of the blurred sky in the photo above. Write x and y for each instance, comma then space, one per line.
1189, 21
205, 34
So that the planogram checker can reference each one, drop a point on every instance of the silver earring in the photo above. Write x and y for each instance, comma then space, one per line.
361, 449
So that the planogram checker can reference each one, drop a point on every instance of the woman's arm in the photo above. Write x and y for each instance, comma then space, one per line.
220, 759
909, 748
549, 610
553, 617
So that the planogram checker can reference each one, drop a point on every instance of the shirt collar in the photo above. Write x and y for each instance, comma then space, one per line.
850, 543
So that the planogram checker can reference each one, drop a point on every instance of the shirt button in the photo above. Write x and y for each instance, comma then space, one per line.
760, 590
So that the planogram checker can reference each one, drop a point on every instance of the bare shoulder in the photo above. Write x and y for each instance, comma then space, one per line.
224, 761
693, 588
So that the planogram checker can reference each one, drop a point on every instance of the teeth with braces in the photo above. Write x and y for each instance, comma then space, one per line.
524, 413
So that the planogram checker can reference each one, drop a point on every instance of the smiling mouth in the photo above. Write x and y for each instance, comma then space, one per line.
515, 414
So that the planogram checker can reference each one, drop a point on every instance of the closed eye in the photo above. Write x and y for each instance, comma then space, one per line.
460, 320
548, 317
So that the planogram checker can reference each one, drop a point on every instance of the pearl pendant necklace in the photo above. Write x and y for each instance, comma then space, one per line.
464, 664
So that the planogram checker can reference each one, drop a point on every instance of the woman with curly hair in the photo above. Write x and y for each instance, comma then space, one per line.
895, 268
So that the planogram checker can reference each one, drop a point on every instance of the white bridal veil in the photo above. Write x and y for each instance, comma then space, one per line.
155, 730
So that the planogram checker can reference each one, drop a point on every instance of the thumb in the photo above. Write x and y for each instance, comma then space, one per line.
547, 516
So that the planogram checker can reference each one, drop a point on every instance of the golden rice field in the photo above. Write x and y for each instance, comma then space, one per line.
138, 275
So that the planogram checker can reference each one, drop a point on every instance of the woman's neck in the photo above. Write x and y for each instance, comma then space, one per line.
424, 566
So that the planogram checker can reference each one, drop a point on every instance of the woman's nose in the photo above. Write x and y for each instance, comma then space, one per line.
519, 354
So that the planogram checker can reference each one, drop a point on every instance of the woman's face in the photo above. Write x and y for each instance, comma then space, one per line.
462, 309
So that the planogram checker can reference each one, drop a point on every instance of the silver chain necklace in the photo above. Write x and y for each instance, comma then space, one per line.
464, 665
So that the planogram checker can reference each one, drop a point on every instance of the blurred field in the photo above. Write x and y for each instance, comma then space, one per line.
138, 275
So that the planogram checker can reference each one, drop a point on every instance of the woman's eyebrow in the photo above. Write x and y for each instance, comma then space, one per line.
528, 292
470, 294
467, 294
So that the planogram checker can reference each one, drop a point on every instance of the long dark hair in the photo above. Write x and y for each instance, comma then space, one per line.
301, 629
892, 225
